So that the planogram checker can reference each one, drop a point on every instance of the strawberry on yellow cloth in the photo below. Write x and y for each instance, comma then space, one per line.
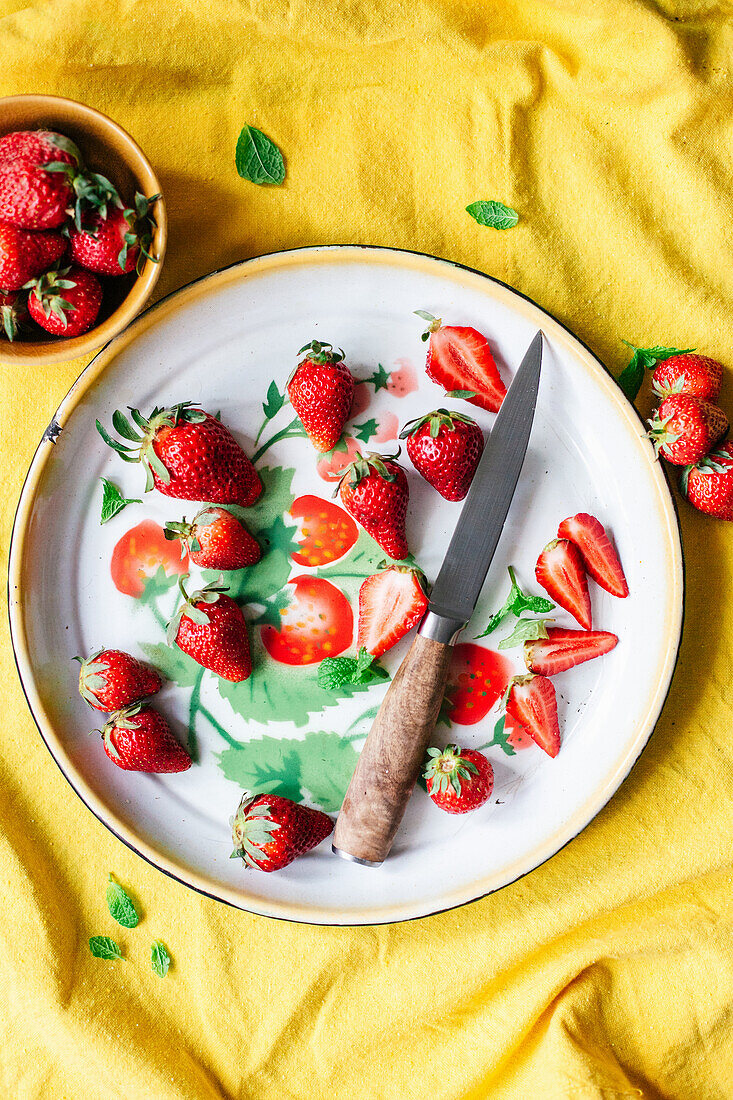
608, 972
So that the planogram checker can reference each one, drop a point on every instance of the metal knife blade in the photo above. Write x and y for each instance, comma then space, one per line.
482, 517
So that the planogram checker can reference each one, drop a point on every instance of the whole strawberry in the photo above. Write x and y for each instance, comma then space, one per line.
111, 679
23, 255
445, 447
13, 312
138, 739
210, 628
65, 302
215, 539
458, 780
37, 171
708, 485
695, 375
187, 453
118, 242
321, 390
269, 831
374, 491
685, 428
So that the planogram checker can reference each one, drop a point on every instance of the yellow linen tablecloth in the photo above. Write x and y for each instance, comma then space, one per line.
608, 972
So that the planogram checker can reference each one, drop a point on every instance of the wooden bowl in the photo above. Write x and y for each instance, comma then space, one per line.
108, 149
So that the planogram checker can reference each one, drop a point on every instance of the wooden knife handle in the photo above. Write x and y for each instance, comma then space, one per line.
393, 754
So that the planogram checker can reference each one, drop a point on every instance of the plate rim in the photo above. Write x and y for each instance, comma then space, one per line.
319, 915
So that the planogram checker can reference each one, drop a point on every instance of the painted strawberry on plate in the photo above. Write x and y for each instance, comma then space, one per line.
326, 532
140, 553
477, 679
317, 623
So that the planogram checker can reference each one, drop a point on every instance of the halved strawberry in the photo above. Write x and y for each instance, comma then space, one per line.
597, 551
391, 603
459, 358
531, 704
560, 571
562, 649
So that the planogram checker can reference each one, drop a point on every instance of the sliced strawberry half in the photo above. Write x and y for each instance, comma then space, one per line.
560, 571
562, 649
531, 704
459, 358
597, 551
391, 603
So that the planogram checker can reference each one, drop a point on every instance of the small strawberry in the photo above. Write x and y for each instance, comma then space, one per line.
695, 375
685, 428
138, 739
391, 603
42, 180
23, 255
459, 358
445, 447
66, 301
708, 485
117, 243
321, 390
37, 169
13, 312
563, 649
374, 491
187, 453
111, 679
596, 549
561, 573
458, 780
269, 831
531, 704
210, 627
215, 539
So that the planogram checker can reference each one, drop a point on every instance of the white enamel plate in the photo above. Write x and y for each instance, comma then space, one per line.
229, 343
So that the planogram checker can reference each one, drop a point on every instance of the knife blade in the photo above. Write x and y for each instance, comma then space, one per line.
471, 549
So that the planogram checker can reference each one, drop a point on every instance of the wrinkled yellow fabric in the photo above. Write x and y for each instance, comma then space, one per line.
608, 972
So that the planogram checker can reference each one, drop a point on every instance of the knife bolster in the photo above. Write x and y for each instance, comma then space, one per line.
440, 628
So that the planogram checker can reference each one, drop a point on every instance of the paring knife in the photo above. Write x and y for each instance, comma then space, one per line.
395, 748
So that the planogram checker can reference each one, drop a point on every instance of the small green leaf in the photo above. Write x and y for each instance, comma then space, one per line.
501, 738
526, 630
380, 378
643, 359
275, 401
258, 159
121, 905
102, 947
160, 958
517, 602
113, 501
493, 214
365, 431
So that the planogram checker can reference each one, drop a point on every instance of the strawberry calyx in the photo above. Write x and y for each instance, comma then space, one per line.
94, 192
670, 388
121, 719
446, 768
251, 833
320, 353
140, 446
434, 323
363, 465
516, 681
47, 290
187, 532
91, 678
209, 594
437, 419
707, 465
12, 313
659, 432
400, 567
142, 226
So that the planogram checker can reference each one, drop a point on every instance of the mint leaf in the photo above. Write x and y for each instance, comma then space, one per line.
526, 630
493, 214
121, 905
334, 672
258, 159
160, 958
643, 359
517, 602
102, 947
113, 501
